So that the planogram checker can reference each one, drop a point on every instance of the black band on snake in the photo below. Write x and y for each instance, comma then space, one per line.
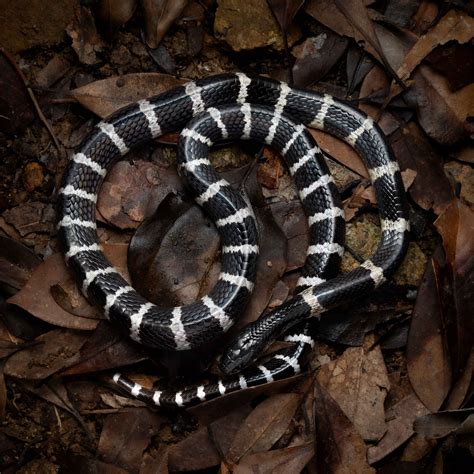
234, 106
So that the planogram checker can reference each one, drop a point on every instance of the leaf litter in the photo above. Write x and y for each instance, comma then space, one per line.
391, 378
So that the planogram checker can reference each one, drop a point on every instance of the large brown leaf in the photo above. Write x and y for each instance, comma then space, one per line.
444, 115
108, 95
339, 447
264, 426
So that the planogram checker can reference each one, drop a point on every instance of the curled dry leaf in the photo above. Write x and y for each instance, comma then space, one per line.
444, 423
339, 447
358, 382
454, 26
115, 14
159, 16
284, 11
264, 426
85, 40
108, 95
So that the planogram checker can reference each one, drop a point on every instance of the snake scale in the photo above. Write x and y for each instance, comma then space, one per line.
234, 106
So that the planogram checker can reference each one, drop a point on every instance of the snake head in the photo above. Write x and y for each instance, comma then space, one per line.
239, 354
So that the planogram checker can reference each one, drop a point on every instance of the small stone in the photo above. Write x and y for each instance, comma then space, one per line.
33, 176
249, 24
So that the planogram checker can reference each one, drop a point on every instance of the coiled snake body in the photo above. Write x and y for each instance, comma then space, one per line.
234, 106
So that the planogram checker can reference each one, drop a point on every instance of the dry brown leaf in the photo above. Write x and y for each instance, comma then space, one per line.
277, 461
85, 40
108, 95
204, 448
358, 382
444, 115
427, 344
54, 351
126, 435
400, 418
264, 426
340, 152
339, 447
444, 423
454, 26
132, 192
431, 188
159, 16
115, 14
349, 18
36, 297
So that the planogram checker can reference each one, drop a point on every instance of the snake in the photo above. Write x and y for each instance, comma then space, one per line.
229, 106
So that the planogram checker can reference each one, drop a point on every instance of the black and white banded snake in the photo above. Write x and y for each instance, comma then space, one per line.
234, 106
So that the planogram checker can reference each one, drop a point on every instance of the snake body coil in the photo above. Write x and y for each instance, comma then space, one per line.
234, 106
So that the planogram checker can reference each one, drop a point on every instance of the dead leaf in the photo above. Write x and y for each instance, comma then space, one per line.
85, 40
400, 418
264, 426
427, 344
454, 26
126, 435
349, 18
16, 108
204, 448
292, 220
113, 15
3, 392
166, 239
108, 95
316, 56
285, 11
55, 350
431, 188
277, 461
444, 423
339, 447
456, 226
358, 382
36, 297
106, 349
133, 191
17, 262
454, 62
444, 115
159, 16
340, 151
